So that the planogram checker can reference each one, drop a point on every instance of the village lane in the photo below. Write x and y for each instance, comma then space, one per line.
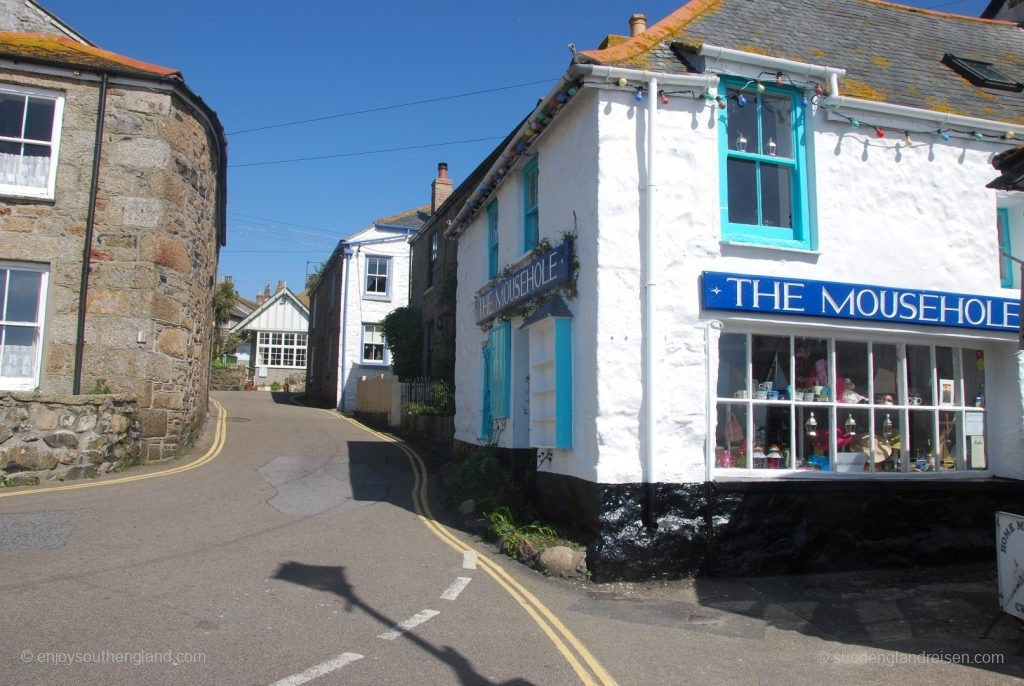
292, 555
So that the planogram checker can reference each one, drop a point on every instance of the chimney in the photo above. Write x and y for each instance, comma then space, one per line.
440, 188
264, 296
280, 286
637, 24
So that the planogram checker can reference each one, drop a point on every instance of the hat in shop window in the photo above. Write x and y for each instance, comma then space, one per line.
882, 451
848, 392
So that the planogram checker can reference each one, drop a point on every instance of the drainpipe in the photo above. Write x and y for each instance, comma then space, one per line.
647, 235
90, 220
344, 327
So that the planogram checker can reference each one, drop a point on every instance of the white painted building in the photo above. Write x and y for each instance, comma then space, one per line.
791, 303
365, 278
277, 331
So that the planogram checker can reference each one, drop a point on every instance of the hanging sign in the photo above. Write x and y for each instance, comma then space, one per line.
533, 278
803, 297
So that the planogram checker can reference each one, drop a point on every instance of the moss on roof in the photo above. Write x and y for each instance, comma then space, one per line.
60, 50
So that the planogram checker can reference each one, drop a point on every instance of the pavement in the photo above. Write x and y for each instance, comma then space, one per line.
304, 553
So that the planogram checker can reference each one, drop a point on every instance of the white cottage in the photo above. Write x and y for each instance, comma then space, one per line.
277, 336
365, 278
737, 288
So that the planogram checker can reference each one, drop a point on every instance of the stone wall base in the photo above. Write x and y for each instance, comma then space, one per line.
766, 528
65, 437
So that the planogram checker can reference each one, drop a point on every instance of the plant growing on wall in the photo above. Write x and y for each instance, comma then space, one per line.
403, 333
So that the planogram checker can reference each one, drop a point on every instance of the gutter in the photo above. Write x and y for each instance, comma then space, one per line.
775, 64
90, 223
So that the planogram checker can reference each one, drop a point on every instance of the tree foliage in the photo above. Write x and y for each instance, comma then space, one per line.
224, 298
403, 333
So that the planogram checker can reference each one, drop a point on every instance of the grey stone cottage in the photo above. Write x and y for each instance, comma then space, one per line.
112, 215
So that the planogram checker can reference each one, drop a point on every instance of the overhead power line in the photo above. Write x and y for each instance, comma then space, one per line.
367, 152
388, 107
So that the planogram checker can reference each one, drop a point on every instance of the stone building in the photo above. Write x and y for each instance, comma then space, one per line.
112, 185
739, 292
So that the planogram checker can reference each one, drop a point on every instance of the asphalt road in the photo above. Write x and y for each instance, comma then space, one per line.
302, 552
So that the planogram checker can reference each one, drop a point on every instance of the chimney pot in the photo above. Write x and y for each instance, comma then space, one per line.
440, 188
637, 24
442, 170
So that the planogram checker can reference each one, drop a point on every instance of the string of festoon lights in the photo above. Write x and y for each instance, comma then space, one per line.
814, 93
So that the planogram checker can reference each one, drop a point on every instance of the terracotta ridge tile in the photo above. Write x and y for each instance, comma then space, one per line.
40, 40
654, 35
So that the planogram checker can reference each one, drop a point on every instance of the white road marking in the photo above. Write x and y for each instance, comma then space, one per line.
456, 588
319, 670
469, 559
408, 624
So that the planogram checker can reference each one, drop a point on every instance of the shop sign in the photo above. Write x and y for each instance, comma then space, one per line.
802, 297
540, 274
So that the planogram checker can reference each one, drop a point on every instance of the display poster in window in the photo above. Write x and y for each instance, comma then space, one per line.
974, 424
1010, 562
976, 455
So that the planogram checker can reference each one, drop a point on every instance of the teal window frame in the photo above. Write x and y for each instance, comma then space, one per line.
531, 207
1005, 248
801, 236
497, 385
492, 240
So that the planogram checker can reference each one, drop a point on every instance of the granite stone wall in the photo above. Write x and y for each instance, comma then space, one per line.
65, 437
149, 314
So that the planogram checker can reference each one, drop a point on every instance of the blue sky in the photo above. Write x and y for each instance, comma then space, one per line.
260, 63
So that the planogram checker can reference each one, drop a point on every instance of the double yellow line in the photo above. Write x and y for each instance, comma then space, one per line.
214, 451
574, 652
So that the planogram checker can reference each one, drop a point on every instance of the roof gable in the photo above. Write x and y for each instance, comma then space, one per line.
294, 317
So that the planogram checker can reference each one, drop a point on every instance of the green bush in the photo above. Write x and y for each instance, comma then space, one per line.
275, 386
482, 477
415, 409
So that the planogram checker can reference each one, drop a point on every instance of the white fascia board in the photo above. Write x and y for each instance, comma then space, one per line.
903, 112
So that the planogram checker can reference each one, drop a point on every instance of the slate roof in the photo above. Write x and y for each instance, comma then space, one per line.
410, 219
46, 48
891, 53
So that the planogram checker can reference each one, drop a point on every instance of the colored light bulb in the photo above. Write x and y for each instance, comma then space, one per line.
639, 97
879, 132
760, 88
623, 82
741, 101
854, 123
944, 135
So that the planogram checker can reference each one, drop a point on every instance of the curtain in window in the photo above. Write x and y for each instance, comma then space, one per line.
18, 170
18, 354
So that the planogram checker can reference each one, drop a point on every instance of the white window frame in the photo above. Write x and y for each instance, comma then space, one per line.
18, 383
278, 345
377, 295
384, 361
49, 192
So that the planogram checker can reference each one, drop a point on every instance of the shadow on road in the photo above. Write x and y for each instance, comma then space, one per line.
332, 580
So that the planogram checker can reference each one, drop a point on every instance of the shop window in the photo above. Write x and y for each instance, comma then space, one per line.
764, 168
30, 123
22, 304
531, 210
842, 406
497, 362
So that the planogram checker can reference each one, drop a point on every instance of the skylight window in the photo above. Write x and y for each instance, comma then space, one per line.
981, 73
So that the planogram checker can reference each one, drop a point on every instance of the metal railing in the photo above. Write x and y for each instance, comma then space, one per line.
428, 396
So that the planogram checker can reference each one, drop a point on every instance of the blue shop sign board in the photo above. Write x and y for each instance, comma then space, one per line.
803, 297
531, 279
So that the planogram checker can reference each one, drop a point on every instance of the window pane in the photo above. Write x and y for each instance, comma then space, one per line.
531, 189
919, 375
885, 373
769, 357
776, 127
853, 441
886, 441
275, 338
275, 357
949, 440
732, 366
921, 448
771, 437
264, 337
300, 338
300, 357
288, 357
730, 436
813, 429
851, 372
742, 180
8, 148
947, 391
39, 120
12, 109
812, 365
289, 339
776, 196
23, 296
742, 123
3, 291
18, 355
974, 377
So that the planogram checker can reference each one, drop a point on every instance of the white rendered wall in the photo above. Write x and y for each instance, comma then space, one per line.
358, 309
918, 218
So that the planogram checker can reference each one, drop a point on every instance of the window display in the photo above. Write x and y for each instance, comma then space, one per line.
844, 406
